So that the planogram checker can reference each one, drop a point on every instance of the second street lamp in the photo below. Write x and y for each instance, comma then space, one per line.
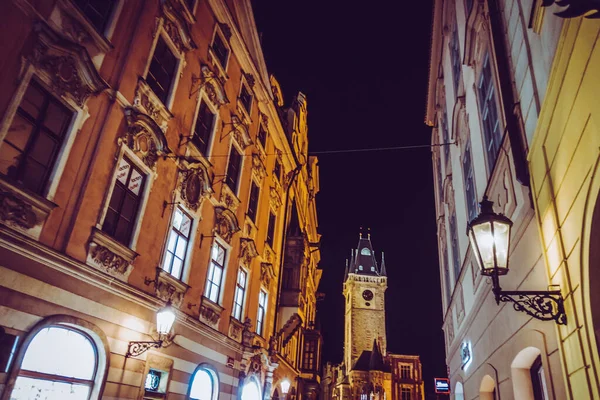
165, 317
489, 234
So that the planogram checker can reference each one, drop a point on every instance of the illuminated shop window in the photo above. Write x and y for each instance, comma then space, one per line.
251, 391
205, 385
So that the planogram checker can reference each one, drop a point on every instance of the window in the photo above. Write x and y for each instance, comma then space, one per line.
405, 393
124, 202
446, 272
215, 272
155, 384
205, 385
469, 5
489, 112
220, 49
271, 229
98, 12
246, 99
405, 371
233, 169
253, 201
455, 57
190, 4
31, 146
262, 310
251, 390
469, 183
454, 244
538, 380
177, 243
162, 70
277, 169
309, 355
203, 128
240, 294
445, 137
438, 170
262, 136
59, 363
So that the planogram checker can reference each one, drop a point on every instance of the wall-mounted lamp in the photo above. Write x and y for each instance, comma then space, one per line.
165, 317
285, 386
489, 234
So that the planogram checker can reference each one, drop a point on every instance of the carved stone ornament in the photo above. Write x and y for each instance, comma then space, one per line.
266, 273
168, 288
240, 132
194, 184
247, 333
449, 328
228, 199
177, 28
144, 137
210, 313
276, 90
576, 8
258, 166
110, 256
226, 223
275, 196
250, 79
146, 102
21, 210
67, 65
235, 329
247, 251
213, 86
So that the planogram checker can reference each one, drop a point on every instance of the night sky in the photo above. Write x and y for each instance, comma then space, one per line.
364, 71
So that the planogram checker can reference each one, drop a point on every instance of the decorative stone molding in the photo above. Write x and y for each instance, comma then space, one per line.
176, 26
22, 210
235, 329
276, 90
249, 79
267, 272
449, 329
275, 195
477, 36
144, 137
110, 256
290, 328
240, 132
268, 254
258, 167
148, 103
210, 313
194, 184
247, 251
65, 64
228, 198
213, 86
226, 223
168, 288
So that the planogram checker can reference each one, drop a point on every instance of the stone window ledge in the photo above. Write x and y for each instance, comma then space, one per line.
23, 210
235, 329
210, 312
217, 64
169, 288
110, 256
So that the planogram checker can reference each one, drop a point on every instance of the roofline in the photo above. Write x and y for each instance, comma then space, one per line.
435, 52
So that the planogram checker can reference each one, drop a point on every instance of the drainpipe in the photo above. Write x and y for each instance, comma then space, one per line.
514, 125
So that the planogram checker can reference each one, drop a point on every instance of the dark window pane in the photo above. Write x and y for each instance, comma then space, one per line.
220, 50
42, 151
253, 201
190, 4
271, 230
203, 129
162, 70
262, 137
56, 119
33, 175
246, 99
97, 11
34, 100
277, 169
233, 169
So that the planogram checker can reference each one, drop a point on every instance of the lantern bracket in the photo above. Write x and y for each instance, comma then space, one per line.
135, 349
542, 305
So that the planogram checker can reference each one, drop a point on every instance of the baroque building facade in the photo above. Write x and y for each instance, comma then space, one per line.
368, 371
147, 160
510, 103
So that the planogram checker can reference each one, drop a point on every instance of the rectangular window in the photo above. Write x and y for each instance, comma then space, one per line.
215, 272
454, 243
489, 113
309, 355
469, 183
446, 272
445, 137
262, 311
405, 393
177, 243
246, 99
271, 229
220, 49
253, 201
162, 70
30, 149
277, 169
455, 57
204, 128
233, 169
405, 371
240, 294
538, 380
124, 202
262, 136
98, 12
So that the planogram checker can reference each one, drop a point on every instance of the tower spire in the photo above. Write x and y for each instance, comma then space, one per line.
383, 271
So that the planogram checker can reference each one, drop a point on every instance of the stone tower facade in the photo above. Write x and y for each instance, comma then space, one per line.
364, 290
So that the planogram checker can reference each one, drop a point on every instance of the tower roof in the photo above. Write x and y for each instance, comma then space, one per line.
363, 261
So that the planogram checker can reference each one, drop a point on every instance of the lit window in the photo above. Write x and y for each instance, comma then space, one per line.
233, 169
125, 202
469, 183
309, 355
98, 12
240, 294
163, 67
31, 145
360, 267
271, 229
220, 49
204, 128
489, 112
246, 99
365, 251
204, 385
251, 391
253, 201
454, 244
215, 272
59, 363
262, 310
177, 244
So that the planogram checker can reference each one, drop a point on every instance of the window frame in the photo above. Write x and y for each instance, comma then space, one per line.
238, 183
469, 181
253, 218
455, 246
189, 248
455, 59
262, 127
538, 379
271, 229
214, 375
261, 311
245, 86
209, 280
217, 31
203, 98
244, 291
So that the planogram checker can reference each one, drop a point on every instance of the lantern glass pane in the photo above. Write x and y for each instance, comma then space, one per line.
485, 244
164, 320
501, 237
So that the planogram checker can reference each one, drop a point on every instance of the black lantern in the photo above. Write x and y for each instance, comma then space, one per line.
165, 317
489, 234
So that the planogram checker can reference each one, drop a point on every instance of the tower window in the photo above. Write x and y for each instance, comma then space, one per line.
405, 394
405, 371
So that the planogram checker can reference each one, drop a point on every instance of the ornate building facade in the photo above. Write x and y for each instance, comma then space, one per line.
368, 370
150, 169
510, 106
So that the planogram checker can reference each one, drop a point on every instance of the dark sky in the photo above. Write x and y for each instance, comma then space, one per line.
364, 71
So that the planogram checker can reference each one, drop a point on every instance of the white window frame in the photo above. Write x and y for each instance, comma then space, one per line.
161, 33
264, 310
80, 115
222, 68
203, 97
190, 248
243, 304
150, 176
227, 248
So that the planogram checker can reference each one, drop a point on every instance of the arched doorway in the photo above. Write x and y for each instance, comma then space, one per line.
528, 375
251, 390
487, 389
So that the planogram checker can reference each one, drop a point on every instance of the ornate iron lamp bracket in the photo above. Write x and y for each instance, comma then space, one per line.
542, 305
134, 349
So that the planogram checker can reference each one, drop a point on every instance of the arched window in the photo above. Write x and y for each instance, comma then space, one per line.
205, 384
251, 391
60, 363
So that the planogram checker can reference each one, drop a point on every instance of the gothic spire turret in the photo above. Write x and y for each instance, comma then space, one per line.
364, 262
383, 271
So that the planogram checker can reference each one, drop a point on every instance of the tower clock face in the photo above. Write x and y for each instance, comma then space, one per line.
367, 295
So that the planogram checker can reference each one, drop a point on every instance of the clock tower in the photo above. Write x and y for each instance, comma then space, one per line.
365, 283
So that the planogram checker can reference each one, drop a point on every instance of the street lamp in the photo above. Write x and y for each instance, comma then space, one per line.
489, 234
285, 387
165, 317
